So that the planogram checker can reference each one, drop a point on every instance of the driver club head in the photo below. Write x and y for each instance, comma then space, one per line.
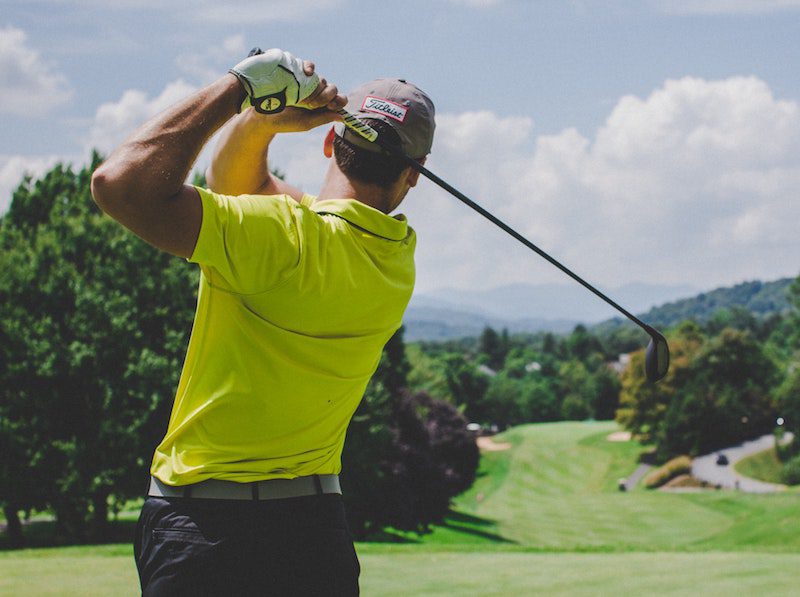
656, 360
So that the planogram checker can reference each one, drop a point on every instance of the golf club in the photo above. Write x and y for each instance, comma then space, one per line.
657, 354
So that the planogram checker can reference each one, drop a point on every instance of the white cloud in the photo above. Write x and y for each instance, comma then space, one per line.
26, 79
717, 7
212, 63
114, 121
14, 167
695, 184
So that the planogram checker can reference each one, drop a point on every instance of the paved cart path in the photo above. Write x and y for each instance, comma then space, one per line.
706, 468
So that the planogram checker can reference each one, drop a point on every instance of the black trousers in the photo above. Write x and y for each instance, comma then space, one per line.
294, 547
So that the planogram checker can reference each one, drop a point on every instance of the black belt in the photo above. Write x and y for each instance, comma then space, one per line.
272, 489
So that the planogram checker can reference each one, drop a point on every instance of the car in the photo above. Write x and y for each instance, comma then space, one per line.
722, 460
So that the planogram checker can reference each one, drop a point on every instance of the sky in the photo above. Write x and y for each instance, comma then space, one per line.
647, 141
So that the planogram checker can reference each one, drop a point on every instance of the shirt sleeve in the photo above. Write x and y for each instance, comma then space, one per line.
250, 243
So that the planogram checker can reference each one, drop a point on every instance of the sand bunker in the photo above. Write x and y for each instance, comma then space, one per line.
489, 445
619, 436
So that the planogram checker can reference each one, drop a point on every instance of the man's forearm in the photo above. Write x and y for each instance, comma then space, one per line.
240, 161
151, 166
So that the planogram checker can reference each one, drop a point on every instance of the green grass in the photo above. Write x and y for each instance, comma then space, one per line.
544, 517
764, 466
411, 570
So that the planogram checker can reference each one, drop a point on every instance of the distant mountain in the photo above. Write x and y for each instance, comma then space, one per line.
760, 298
441, 323
447, 314
565, 302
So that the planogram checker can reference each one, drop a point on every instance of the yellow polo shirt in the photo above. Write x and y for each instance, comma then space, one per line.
296, 302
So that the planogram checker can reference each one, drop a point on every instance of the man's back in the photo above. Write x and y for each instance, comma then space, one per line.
295, 305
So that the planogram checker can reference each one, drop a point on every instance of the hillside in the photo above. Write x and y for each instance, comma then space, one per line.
759, 298
431, 317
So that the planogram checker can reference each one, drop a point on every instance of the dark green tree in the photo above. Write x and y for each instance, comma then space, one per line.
406, 455
97, 322
494, 346
726, 398
467, 387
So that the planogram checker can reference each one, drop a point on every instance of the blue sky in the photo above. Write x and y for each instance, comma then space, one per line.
649, 141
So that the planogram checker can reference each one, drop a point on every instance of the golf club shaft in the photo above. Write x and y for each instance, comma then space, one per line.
363, 129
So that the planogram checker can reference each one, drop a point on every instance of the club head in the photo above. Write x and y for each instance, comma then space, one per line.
656, 359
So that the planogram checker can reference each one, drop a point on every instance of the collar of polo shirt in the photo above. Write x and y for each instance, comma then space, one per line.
365, 217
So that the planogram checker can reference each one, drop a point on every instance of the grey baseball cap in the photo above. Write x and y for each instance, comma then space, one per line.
401, 105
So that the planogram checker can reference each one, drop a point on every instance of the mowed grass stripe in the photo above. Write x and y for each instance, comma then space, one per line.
556, 494
555, 489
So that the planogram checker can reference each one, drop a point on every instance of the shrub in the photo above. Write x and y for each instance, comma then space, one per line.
680, 465
791, 471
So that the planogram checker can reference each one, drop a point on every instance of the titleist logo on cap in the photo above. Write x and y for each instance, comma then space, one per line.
380, 105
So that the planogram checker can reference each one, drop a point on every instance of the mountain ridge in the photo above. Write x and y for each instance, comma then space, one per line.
447, 314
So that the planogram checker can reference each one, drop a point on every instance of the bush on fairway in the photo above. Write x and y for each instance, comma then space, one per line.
682, 465
791, 471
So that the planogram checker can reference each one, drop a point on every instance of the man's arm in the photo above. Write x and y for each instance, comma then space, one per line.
141, 185
240, 163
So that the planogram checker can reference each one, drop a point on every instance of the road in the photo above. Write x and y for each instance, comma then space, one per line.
706, 468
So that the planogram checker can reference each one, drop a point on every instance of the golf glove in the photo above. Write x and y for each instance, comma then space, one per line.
273, 80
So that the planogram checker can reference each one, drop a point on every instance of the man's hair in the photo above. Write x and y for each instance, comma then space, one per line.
370, 167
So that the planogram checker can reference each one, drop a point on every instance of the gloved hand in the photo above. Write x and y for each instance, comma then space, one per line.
273, 80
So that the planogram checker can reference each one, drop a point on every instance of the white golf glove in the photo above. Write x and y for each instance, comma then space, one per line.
273, 80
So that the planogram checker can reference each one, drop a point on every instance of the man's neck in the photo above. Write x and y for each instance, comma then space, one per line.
338, 186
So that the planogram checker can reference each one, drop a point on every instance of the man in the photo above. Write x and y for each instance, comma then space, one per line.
297, 298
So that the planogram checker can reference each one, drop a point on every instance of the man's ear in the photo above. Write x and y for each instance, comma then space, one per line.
327, 146
413, 175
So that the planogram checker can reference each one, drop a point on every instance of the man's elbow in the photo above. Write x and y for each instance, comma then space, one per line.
105, 190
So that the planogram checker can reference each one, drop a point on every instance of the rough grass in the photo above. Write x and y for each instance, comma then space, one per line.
764, 466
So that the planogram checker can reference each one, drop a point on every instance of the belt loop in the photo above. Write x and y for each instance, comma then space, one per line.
187, 491
318, 484
254, 490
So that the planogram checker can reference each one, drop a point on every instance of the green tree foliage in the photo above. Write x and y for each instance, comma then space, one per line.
467, 386
718, 393
788, 395
582, 344
94, 329
643, 405
605, 399
406, 455
494, 346
577, 391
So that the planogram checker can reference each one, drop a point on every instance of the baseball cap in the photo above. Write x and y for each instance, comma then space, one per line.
401, 105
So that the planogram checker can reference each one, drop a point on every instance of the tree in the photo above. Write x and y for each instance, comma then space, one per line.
467, 387
643, 405
576, 391
726, 398
95, 324
406, 455
581, 344
606, 394
494, 346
